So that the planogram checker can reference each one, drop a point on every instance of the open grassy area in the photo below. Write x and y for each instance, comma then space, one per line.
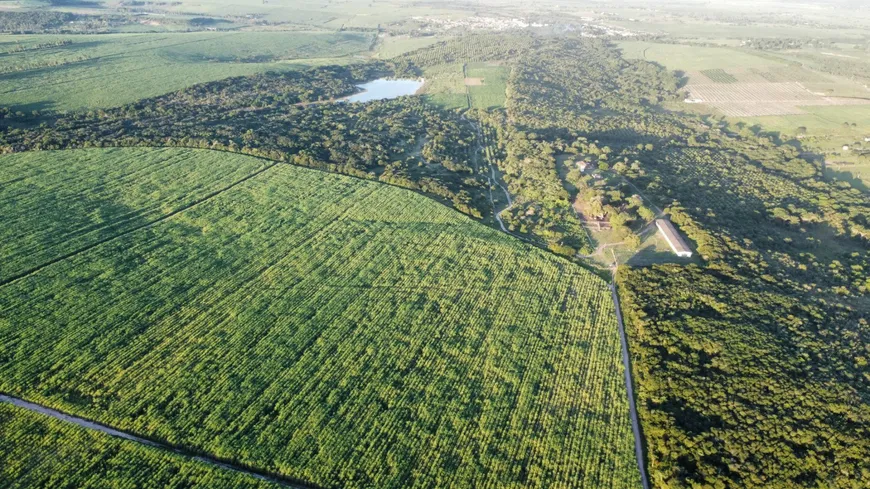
693, 58
445, 86
798, 95
113, 69
392, 46
490, 93
339, 331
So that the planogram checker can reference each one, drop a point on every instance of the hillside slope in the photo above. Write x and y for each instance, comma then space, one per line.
334, 330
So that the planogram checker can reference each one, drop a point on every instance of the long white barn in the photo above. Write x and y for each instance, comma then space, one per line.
678, 244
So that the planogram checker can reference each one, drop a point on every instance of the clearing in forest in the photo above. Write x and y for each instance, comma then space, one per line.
486, 84
312, 325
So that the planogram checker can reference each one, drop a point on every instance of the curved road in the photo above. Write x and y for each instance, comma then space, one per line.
635, 424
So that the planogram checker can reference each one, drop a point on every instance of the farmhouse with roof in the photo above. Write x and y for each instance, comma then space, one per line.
672, 236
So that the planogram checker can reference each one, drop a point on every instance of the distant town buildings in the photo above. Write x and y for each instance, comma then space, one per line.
672, 236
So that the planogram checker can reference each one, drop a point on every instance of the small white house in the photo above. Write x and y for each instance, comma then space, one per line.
845, 147
582, 165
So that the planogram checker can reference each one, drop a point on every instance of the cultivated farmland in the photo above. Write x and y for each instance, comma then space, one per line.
38, 451
114, 69
719, 76
329, 329
760, 99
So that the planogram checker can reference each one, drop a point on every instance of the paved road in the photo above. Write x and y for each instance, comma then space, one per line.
120, 434
635, 424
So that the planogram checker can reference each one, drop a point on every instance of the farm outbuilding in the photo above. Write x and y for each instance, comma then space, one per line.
672, 236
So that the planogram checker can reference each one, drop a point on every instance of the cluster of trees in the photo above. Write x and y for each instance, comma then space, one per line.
783, 43
559, 92
474, 48
752, 368
291, 117
54, 22
565, 83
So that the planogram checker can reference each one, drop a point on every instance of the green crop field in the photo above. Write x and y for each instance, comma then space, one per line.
696, 58
113, 69
39, 451
719, 76
492, 93
335, 330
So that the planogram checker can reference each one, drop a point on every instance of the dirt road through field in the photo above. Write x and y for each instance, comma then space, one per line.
84, 423
635, 424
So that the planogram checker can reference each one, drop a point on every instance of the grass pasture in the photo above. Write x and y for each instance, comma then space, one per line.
109, 70
489, 92
39, 451
694, 58
289, 318
445, 86
828, 129
392, 46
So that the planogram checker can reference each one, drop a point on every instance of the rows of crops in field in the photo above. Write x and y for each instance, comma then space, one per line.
113, 69
334, 330
719, 76
38, 451
766, 98
52, 210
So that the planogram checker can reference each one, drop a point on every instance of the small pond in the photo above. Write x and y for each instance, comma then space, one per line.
383, 88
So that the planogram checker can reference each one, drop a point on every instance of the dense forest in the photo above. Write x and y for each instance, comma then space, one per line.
752, 366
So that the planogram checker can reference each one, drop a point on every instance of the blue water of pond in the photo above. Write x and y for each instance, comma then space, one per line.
383, 89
